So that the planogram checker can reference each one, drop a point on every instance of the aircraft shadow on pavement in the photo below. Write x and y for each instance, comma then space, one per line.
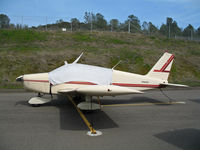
70, 118
186, 139
133, 100
195, 100
24, 103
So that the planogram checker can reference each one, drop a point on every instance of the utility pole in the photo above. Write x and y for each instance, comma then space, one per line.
149, 29
22, 22
169, 30
46, 24
71, 26
191, 35
129, 26
111, 27
91, 26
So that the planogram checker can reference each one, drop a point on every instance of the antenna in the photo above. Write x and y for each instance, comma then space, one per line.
78, 58
116, 64
65, 62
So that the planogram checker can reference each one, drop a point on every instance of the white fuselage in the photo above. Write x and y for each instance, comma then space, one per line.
40, 82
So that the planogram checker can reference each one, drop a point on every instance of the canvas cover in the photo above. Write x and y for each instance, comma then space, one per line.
81, 72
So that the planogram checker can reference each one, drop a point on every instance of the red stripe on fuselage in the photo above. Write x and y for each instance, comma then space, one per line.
79, 82
37, 80
135, 85
161, 71
90, 83
71, 82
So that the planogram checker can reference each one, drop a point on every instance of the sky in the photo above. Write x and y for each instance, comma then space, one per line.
36, 12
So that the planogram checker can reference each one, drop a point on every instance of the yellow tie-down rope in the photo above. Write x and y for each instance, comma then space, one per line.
93, 131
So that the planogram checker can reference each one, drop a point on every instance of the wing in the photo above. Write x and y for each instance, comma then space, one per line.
102, 90
67, 90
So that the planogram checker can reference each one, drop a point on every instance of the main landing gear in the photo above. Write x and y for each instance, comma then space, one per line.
89, 105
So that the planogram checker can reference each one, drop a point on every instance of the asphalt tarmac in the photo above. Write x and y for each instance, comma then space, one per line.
145, 123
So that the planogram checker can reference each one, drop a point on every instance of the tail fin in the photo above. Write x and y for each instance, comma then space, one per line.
162, 68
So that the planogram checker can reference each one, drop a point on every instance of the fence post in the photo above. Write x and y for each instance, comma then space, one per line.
129, 27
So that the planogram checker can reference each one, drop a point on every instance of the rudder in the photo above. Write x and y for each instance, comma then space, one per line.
162, 68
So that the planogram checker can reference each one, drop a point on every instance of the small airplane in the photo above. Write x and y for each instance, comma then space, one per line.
89, 81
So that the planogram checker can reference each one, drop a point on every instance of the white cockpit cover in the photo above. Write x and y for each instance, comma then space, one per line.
81, 72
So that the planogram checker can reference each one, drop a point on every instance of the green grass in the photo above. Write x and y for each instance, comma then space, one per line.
21, 36
116, 41
194, 52
81, 37
29, 51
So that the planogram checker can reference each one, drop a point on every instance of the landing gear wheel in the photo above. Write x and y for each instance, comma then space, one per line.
38, 101
40, 95
35, 105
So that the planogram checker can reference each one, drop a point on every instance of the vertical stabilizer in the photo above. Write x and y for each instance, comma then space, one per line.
162, 68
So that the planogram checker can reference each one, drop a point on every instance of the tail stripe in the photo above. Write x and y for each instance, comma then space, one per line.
165, 65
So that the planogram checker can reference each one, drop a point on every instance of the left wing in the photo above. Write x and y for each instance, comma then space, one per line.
67, 90
102, 90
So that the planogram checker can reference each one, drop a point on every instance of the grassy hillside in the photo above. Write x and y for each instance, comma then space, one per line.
26, 51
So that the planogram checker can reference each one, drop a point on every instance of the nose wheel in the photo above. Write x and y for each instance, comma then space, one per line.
38, 101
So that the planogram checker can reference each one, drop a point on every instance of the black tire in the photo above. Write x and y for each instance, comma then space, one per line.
35, 105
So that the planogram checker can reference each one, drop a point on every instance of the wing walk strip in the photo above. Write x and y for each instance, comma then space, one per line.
93, 131
144, 104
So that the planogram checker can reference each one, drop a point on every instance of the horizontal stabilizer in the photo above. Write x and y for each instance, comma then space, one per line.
173, 85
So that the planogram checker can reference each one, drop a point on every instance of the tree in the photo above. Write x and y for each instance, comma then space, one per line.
163, 30
18, 26
59, 21
169, 24
149, 28
198, 32
123, 26
100, 22
175, 30
189, 31
145, 27
170, 29
134, 23
169, 21
4, 21
114, 24
75, 24
12, 26
152, 28
89, 19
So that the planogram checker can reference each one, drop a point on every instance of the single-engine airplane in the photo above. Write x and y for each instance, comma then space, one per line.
89, 81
